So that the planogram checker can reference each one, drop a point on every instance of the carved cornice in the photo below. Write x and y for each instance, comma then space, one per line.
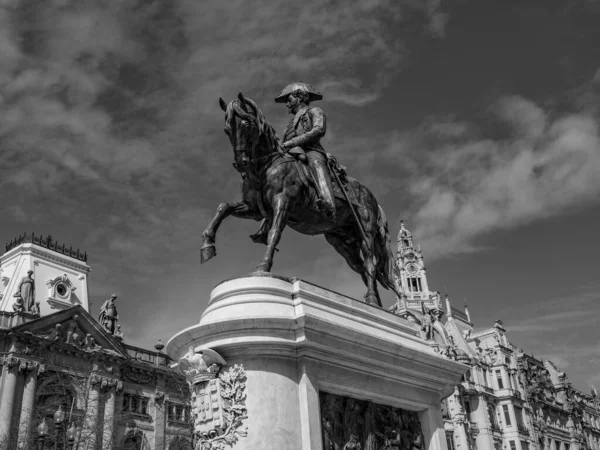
22, 364
106, 383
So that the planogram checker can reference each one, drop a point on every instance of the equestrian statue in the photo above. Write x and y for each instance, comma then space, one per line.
297, 184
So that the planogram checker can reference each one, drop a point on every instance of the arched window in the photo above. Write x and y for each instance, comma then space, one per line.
135, 440
54, 392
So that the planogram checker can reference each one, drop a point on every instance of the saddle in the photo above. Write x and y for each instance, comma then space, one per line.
336, 172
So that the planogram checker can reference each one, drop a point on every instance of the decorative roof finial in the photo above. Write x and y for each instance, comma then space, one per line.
448, 306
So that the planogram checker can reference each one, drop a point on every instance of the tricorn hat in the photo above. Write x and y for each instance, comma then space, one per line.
295, 87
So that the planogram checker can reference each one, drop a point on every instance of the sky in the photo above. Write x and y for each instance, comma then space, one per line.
475, 122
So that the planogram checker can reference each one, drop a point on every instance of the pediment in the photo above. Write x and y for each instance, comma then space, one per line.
73, 327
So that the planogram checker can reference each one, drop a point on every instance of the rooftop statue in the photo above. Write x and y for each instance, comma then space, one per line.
297, 184
108, 315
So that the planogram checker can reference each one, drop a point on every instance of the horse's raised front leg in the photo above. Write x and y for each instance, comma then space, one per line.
237, 209
280, 214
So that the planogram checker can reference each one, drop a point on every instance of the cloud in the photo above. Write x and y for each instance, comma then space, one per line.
469, 185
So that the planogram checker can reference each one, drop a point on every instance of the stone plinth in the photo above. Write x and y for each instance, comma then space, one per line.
295, 340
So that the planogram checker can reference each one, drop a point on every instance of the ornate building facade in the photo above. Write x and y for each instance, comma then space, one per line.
68, 380
508, 400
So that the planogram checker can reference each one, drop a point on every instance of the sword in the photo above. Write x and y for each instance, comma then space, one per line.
343, 189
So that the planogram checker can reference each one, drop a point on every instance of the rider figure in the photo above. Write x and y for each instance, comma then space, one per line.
302, 137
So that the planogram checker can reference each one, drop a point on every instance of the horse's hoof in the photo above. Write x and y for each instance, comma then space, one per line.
207, 252
371, 300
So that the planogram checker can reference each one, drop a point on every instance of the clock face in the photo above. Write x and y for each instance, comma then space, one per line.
412, 268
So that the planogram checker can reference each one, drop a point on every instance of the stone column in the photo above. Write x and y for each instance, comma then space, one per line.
460, 433
87, 437
433, 428
10, 371
27, 405
485, 438
160, 406
108, 430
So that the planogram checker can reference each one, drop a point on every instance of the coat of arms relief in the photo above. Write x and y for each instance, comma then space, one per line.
218, 398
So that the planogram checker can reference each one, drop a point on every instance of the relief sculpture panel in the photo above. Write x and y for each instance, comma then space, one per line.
350, 424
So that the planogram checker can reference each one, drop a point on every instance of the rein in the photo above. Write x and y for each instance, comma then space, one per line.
255, 172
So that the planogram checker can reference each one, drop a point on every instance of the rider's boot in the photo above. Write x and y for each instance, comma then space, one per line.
326, 201
261, 235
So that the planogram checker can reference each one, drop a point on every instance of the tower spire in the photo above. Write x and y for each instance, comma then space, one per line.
413, 277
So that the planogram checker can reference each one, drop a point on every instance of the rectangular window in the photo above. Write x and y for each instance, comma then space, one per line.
135, 404
499, 379
524, 445
506, 416
450, 440
143, 406
468, 408
519, 416
513, 445
414, 284
178, 413
567, 446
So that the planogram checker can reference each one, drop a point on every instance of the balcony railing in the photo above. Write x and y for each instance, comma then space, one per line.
147, 356
523, 429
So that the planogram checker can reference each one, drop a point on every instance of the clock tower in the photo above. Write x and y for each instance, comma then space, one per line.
413, 276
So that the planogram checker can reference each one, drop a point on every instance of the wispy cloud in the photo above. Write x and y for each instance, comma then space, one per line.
468, 185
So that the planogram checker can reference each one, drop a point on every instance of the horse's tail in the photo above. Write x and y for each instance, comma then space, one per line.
387, 269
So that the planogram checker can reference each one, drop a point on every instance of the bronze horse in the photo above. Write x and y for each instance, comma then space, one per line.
274, 191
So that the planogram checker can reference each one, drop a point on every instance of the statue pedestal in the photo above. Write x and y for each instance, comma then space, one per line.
298, 342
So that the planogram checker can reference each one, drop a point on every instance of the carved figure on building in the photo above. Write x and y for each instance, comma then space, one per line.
74, 334
358, 424
353, 443
200, 365
26, 291
89, 343
18, 305
353, 419
56, 334
428, 319
118, 333
108, 315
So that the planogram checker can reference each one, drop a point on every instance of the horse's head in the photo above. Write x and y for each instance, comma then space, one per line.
246, 127
242, 128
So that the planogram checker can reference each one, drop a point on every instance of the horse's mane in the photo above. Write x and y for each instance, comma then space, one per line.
264, 127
